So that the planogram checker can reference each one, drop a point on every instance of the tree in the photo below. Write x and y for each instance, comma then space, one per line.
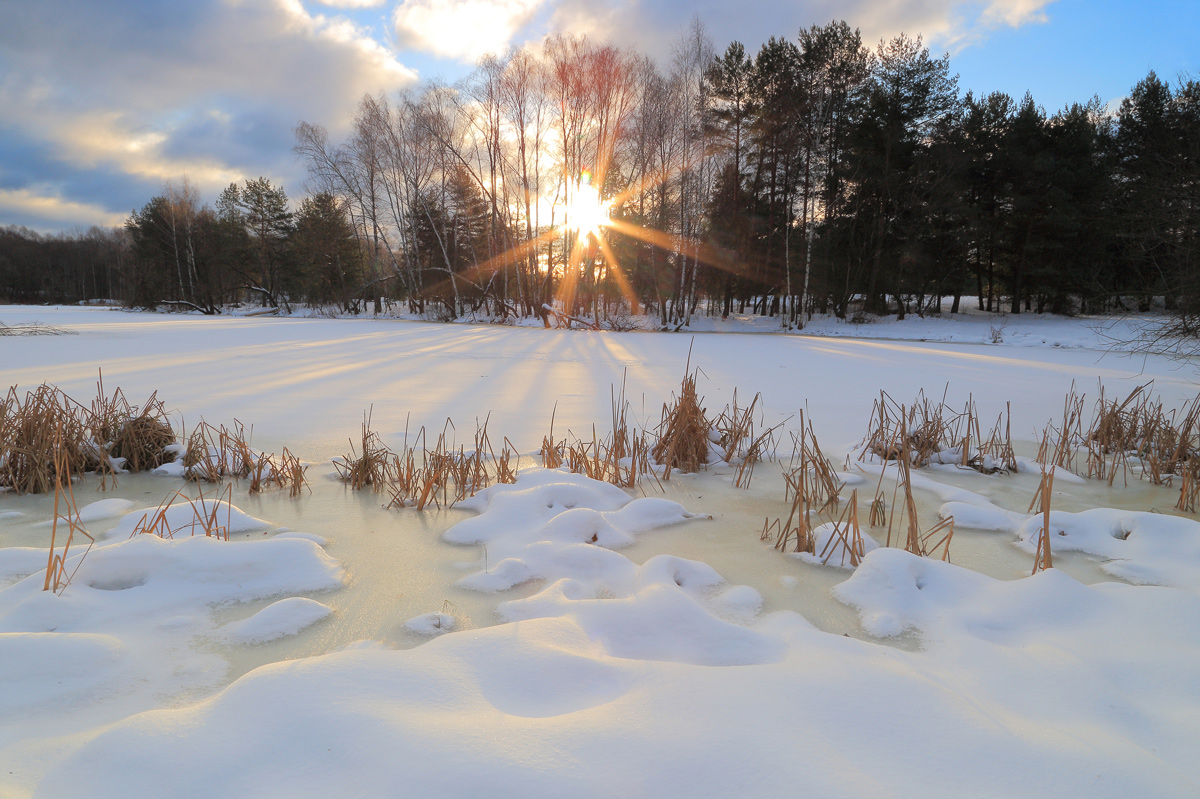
269, 224
908, 93
326, 253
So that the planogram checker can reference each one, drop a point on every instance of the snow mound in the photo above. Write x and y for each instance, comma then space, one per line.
1013, 673
1140, 547
187, 519
431, 623
21, 561
146, 576
832, 550
96, 511
285, 617
553, 525
40, 669
1143, 548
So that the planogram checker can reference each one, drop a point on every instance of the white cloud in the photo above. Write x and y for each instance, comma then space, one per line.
461, 29
54, 210
1014, 13
209, 91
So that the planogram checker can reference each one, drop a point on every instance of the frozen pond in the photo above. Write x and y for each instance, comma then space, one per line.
681, 656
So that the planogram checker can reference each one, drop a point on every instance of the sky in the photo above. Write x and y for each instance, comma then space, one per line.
102, 101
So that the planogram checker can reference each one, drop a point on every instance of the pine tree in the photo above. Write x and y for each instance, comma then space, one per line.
269, 224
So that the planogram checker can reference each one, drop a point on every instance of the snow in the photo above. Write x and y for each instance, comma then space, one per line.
96, 511
189, 518
20, 561
284, 617
622, 695
583, 663
431, 623
831, 549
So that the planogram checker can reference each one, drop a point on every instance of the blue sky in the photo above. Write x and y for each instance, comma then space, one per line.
102, 101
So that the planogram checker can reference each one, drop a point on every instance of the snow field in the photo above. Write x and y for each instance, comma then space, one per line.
622, 679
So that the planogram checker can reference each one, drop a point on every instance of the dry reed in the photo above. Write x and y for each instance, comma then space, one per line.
205, 516
848, 534
934, 433
57, 578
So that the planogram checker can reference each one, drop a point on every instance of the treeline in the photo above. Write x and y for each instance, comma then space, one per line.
179, 252
814, 176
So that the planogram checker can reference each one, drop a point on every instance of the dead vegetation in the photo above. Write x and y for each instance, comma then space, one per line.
622, 458
33, 329
812, 482
1135, 434
46, 436
926, 432
738, 441
845, 536
419, 475
205, 517
682, 439
65, 510
216, 453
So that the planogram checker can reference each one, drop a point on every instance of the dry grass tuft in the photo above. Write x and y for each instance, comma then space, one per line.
367, 465
683, 433
43, 439
735, 429
419, 476
926, 432
848, 534
553, 452
47, 435
142, 438
206, 511
811, 483
217, 453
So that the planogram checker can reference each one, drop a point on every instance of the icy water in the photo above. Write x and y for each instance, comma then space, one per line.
398, 566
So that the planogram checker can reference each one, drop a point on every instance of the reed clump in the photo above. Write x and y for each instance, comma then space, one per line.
43, 438
845, 536
814, 486
812, 482
928, 432
366, 465
421, 476
683, 435
740, 443
215, 453
1135, 433
45, 435
142, 439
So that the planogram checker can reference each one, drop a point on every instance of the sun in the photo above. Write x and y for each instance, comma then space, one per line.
586, 212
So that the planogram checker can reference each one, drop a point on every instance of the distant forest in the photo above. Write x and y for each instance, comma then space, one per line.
815, 176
